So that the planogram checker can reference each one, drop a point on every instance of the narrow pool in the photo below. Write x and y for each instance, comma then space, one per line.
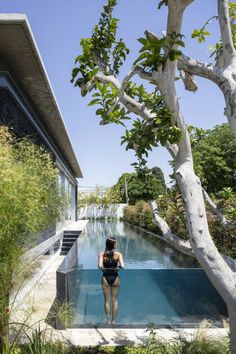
159, 285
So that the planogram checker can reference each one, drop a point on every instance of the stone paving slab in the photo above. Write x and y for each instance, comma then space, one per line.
127, 336
78, 225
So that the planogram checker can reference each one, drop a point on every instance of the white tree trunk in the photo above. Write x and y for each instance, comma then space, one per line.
232, 325
228, 88
217, 270
202, 244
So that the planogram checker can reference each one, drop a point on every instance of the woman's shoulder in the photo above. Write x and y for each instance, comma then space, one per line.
101, 253
117, 253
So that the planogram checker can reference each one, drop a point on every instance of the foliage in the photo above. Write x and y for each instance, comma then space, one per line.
157, 344
147, 133
104, 96
29, 203
39, 342
100, 53
200, 34
111, 196
145, 185
224, 238
156, 51
103, 46
140, 215
214, 154
202, 343
157, 172
171, 208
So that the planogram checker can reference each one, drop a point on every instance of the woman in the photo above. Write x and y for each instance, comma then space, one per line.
108, 262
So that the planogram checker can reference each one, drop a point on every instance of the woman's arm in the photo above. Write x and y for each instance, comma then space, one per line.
100, 260
121, 261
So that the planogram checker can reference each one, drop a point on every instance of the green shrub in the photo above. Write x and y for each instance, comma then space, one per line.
140, 215
171, 207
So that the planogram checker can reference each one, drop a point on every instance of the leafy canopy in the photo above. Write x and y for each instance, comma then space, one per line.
214, 155
104, 54
146, 186
102, 44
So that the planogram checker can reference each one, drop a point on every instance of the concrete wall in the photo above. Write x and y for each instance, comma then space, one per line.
98, 211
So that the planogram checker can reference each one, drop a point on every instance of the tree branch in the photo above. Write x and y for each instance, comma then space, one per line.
172, 148
200, 68
228, 225
188, 80
175, 241
123, 86
187, 67
103, 66
225, 28
132, 105
169, 237
128, 102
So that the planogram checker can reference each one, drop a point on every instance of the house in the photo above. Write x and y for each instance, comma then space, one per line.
28, 105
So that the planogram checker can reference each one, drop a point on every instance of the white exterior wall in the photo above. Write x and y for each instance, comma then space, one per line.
98, 211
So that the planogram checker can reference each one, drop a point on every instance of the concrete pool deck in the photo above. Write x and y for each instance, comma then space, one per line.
40, 298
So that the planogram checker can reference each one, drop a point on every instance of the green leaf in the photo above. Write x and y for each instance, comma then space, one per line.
180, 43
75, 71
195, 33
96, 94
142, 41
99, 112
141, 57
93, 102
174, 54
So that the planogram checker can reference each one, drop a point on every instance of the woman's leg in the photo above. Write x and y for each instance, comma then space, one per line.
106, 292
114, 291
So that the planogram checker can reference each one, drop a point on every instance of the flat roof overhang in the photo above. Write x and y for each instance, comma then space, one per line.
19, 48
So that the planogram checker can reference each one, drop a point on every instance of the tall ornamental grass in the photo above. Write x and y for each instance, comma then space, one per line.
29, 203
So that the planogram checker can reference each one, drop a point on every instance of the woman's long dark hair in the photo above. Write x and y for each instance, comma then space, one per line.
110, 244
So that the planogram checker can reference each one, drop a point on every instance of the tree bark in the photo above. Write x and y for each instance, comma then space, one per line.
228, 88
232, 325
168, 236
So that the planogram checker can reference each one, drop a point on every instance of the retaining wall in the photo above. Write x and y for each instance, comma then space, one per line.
98, 211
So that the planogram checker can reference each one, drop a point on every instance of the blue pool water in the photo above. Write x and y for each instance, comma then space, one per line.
140, 250
158, 285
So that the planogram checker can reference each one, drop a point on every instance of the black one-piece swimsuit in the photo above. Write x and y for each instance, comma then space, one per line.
110, 268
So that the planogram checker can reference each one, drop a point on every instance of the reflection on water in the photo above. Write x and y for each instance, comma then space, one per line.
140, 249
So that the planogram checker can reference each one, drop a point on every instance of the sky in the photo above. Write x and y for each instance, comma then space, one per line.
58, 26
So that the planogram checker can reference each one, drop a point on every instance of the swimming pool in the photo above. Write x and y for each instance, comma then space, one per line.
158, 285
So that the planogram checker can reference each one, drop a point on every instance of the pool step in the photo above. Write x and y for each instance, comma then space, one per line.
69, 238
